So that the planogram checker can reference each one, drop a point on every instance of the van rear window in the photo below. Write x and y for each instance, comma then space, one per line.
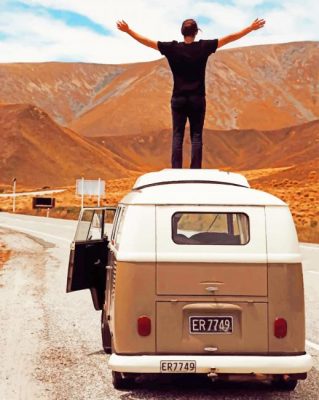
210, 228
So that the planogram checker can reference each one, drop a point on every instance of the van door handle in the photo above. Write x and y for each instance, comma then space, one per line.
211, 349
212, 289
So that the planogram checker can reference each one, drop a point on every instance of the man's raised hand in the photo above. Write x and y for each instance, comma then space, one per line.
257, 24
122, 26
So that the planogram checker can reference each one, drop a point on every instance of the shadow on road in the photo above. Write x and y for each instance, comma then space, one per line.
200, 387
195, 387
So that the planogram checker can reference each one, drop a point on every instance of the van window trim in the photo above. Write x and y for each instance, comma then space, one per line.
119, 222
116, 216
210, 212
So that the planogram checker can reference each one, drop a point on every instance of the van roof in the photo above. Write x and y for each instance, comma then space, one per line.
170, 176
196, 187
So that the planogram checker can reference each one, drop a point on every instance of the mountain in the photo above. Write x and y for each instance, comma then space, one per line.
37, 151
263, 87
63, 90
234, 149
260, 87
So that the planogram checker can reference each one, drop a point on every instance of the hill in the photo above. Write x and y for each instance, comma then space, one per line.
37, 151
263, 87
245, 86
296, 146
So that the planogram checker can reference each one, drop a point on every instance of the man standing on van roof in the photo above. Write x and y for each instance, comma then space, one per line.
188, 60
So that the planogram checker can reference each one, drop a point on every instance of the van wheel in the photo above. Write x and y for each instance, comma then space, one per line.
285, 385
106, 334
122, 381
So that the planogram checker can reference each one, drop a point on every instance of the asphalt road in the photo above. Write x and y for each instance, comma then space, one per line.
50, 346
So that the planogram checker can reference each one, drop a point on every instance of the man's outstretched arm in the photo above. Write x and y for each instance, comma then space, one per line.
257, 24
123, 26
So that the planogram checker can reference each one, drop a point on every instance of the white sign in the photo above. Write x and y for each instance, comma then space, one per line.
90, 187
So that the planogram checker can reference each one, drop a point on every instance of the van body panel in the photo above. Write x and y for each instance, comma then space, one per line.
286, 300
250, 333
211, 279
133, 297
281, 235
135, 240
202, 194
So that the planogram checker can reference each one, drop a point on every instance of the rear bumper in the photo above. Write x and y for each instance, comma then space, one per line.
217, 364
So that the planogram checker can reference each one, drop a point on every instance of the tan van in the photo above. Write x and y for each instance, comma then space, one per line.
200, 274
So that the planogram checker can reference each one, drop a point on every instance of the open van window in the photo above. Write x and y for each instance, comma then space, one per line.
203, 228
91, 225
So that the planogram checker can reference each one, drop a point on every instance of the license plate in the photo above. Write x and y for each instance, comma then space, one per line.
178, 367
216, 324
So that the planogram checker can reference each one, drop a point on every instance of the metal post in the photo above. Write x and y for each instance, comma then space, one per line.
14, 181
99, 193
82, 194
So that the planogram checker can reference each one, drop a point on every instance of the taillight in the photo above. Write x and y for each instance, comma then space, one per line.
280, 328
144, 326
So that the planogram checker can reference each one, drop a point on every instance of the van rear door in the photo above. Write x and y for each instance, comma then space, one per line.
211, 280
89, 255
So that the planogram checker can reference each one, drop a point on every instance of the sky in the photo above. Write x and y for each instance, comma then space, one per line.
85, 30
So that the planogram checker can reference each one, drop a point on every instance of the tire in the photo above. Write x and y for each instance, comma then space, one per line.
285, 385
106, 334
121, 381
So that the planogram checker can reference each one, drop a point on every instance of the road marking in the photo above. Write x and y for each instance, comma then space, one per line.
40, 192
18, 228
312, 345
311, 245
313, 272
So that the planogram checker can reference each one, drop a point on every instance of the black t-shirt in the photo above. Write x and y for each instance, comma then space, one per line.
188, 64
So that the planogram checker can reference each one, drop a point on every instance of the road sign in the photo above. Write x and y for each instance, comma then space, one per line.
91, 188
43, 202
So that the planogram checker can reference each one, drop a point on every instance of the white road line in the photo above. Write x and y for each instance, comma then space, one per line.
18, 228
311, 245
39, 192
312, 345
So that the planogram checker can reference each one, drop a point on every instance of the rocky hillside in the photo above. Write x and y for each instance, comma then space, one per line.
258, 87
63, 90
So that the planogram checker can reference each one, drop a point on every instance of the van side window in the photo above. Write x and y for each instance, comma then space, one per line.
210, 228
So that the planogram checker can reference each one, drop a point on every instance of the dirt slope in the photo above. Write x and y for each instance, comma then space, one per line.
37, 151
239, 150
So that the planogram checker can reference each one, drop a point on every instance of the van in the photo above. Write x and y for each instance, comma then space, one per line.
200, 274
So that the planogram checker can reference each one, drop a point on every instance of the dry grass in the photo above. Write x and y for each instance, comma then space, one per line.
4, 254
303, 200
301, 196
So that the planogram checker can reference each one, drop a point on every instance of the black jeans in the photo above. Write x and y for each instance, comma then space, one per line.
193, 108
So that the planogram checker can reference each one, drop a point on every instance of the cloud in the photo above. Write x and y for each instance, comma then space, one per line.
82, 30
